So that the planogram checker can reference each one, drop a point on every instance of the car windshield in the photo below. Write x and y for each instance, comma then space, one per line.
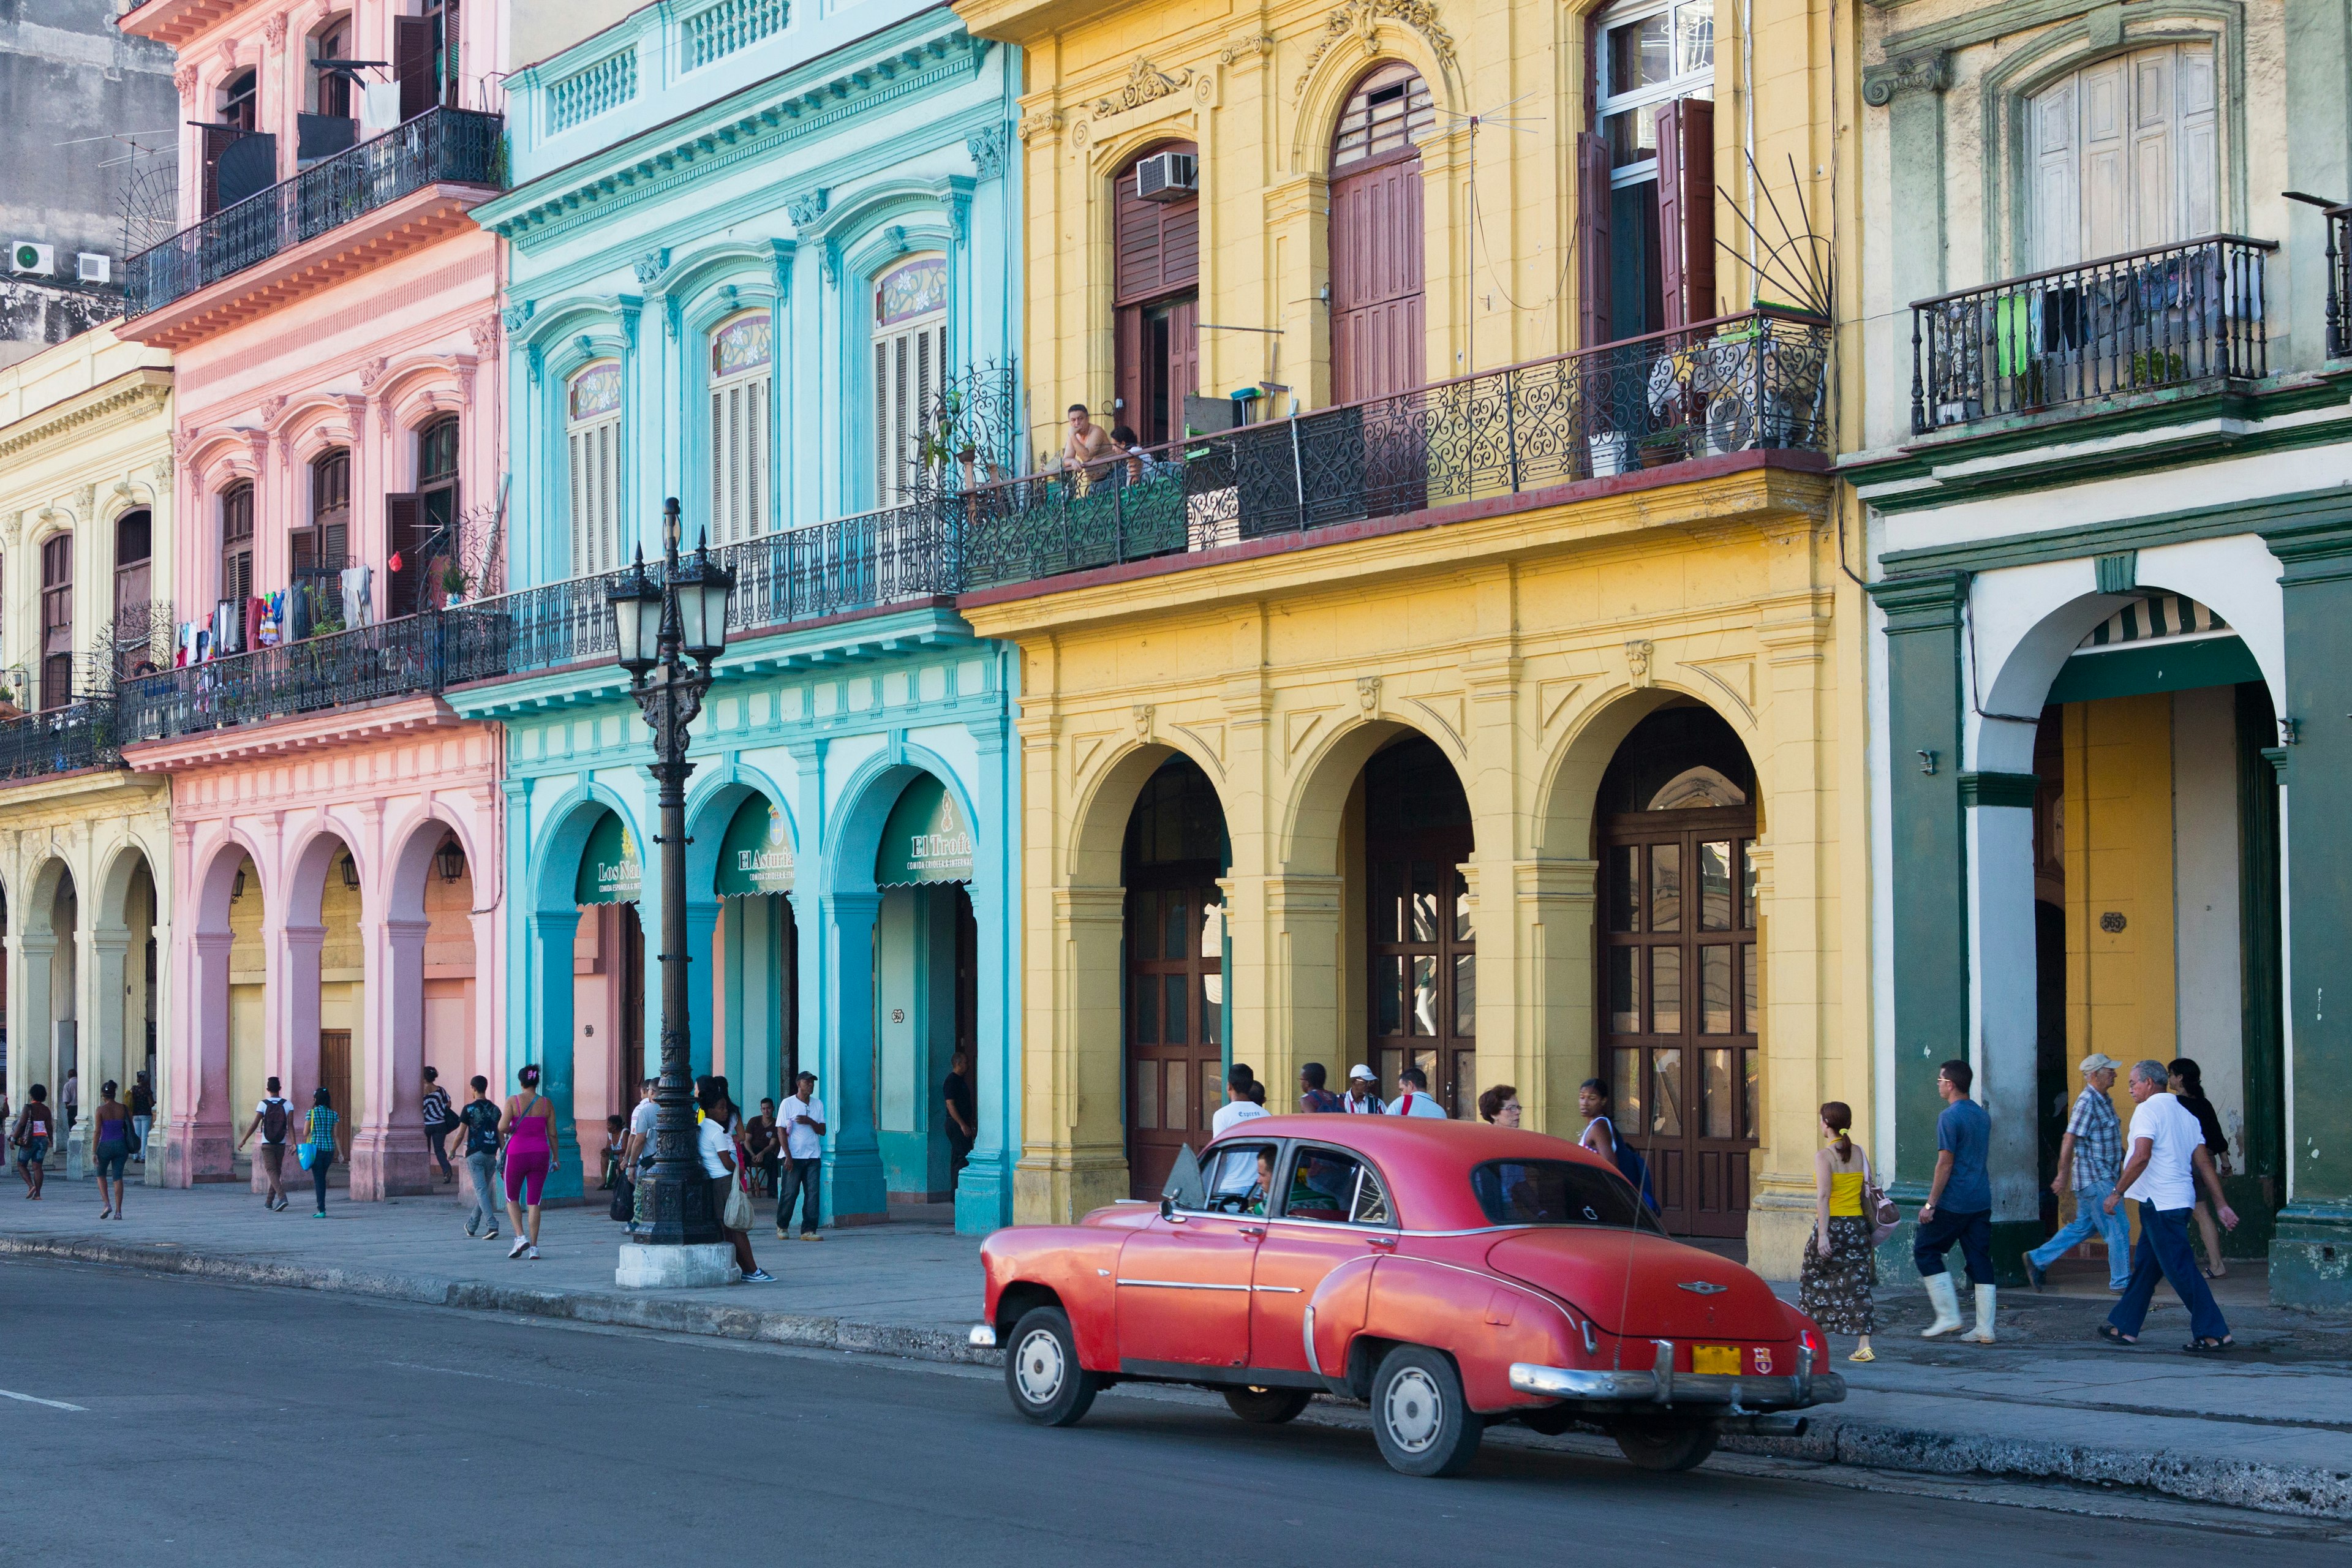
1557, 1192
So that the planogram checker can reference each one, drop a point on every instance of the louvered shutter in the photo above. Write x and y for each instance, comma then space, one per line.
1686, 210
412, 64
1592, 307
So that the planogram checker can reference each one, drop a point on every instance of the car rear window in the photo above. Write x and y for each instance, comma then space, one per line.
1557, 1192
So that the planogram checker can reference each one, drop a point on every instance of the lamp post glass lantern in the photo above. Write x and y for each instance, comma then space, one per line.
668, 650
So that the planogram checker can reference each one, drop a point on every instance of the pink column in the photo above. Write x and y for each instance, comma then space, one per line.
290, 1046
198, 1147
388, 1153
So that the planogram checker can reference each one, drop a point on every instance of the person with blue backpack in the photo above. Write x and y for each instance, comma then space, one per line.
1600, 1136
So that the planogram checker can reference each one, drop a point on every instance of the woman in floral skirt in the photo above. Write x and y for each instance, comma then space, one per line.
1840, 1267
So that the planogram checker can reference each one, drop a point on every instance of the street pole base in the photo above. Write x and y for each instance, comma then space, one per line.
653, 1268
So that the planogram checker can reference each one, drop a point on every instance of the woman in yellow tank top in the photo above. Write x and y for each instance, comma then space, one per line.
1840, 1267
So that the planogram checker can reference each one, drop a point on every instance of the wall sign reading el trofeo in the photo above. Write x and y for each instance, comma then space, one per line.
926, 839
756, 857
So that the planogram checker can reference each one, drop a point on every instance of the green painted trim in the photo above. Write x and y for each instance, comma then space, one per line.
1984, 24
2167, 664
2119, 573
2311, 515
2261, 1027
2316, 596
2311, 1258
1999, 789
1921, 602
2277, 757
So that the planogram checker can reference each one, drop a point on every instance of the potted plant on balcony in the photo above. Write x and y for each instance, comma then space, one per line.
1667, 444
453, 585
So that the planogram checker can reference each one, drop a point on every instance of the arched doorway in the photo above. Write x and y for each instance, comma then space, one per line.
926, 986
1420, 952
1679, 968
1376, 236
609, 990
1177, 967
757, 942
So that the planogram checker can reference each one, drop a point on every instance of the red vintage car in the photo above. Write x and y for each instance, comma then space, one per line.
1448, 1274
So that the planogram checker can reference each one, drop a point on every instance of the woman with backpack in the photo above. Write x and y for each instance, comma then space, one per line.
30, 1138
1841, 1265
111, 1142
273, 1117
321, 1136
1594, 1099
529, 1127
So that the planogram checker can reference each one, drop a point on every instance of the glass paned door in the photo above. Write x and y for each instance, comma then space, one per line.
1679, 996
1175, 1037
1423, 964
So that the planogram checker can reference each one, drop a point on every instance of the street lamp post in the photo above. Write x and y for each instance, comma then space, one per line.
658, 627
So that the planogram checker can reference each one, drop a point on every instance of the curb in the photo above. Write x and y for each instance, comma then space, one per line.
1831, 1439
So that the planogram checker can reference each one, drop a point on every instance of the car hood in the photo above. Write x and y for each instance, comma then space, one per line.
1638, 1284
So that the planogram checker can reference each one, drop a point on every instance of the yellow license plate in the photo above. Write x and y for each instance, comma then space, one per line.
1723, 1359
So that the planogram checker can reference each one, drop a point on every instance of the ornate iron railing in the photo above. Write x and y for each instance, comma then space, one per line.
2152, 319
1738, 384
81, 734
457, 145
2339, 283
392, 658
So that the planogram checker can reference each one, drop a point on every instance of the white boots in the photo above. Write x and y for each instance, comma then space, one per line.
1948, 1306
1982, 1334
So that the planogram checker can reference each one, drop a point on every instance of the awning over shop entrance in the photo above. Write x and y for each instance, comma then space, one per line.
610, 870
926, 839
756, 857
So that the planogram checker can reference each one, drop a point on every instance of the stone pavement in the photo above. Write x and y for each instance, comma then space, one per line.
2270, 1428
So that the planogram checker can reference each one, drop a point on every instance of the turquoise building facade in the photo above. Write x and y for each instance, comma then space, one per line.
763, 262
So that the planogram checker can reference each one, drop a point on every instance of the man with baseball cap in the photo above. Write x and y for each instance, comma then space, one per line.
2089, 1157
1363, 1095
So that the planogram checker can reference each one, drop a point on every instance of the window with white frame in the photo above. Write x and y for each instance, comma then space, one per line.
1653, 224
2125, 156
741, 350
593, 446
910, 349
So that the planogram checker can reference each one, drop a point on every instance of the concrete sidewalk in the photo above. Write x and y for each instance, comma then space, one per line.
2270, 1428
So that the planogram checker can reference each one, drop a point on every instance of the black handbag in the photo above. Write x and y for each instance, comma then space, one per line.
624, 1198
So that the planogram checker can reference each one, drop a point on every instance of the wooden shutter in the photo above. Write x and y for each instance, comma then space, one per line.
1686, 210
2057, 203
1158, 242
2106, 224
217, 141
404, 531
1592, 303
452, 52
1126, 354
412, 63
2197, 153
1183, 360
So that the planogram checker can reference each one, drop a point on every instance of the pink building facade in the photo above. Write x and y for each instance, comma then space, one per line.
333, 317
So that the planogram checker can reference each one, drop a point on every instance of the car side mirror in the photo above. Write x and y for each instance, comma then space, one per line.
1167, 1206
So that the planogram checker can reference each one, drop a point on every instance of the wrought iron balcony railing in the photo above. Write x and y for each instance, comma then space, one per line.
2166, 317
455, 145
1738, 384
392, 658
2339, 283
81, 734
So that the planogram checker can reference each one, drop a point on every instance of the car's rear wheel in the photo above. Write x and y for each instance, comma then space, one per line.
1041, 1371
1423, 1425
1268, 1406
1666, 1445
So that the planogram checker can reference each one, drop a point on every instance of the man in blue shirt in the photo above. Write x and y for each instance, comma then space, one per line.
1959, 1207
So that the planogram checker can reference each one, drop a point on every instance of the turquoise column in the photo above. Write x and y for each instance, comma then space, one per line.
984, 1196
550, 937
855, 1188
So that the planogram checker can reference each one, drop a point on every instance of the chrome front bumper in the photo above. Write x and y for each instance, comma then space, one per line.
1662, 1385
983, 1337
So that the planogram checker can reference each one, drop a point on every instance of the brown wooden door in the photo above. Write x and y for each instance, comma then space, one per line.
1423, 966
1376, 237
633, 1002
1678, 985
335, 1073
1175, 1046
1155, 332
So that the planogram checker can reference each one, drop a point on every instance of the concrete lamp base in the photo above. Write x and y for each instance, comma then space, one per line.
645, 1268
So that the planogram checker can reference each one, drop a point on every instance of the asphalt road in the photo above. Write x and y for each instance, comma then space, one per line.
229, 1425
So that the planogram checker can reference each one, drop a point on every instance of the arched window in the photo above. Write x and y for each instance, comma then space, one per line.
319, 550
241, 101
1647, 176
740, 352
591, 445
237, 546
910, 347
2123, 155
57, 620
1377, 323
1156, 291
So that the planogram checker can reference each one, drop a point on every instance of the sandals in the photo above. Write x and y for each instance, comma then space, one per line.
2115, 1336
2203, 1346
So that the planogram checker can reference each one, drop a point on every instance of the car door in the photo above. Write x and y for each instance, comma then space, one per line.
1184, 1277
1334, 1212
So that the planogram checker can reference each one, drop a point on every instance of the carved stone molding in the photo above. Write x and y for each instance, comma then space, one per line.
273, 31
484, 333
649, 265
371, 372
1256, 45
1045, 122
1931, 72
271, 407
987, 149
1145, 83
185, 79
1638, 653
805, 209
517, 316
1361, 19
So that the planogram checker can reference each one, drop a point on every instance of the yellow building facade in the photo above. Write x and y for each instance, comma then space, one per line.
1490, 707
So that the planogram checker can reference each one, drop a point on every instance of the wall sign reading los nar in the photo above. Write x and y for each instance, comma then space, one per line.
756, 857
926, 839
610, 871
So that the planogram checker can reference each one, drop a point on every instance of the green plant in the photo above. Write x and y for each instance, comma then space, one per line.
2158, 369
453, 578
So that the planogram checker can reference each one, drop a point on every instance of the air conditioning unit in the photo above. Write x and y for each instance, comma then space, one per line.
91, 266
24, 255
1168, 177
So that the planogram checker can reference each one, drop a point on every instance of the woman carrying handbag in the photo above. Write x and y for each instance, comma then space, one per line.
730, 1204
1840, 1264
321, 1136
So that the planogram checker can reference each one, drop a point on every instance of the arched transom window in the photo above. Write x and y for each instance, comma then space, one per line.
742, 352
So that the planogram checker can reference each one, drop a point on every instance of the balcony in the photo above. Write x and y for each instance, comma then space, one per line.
440, 147
401, 658
79, 735
2171, 317
2339, 283
1750, 383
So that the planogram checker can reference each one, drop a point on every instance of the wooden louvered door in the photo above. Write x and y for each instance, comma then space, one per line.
1156, 332
1377, 321
1175, 1038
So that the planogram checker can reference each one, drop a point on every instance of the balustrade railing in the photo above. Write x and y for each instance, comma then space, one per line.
81, 734
2152, 319
457, 145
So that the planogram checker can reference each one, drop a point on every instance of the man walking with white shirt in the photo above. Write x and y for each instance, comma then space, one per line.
802, 1116
2168, 1159
1238, 1106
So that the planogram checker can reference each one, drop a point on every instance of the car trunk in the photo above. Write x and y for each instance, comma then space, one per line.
1635, 1284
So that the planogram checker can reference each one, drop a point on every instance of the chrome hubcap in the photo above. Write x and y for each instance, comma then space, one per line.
1412, 1411
1037, 1367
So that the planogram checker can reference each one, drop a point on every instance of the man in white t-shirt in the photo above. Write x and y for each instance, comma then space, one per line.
273, 1117
1238, 1106
2166, 1160
1413, 1098
802, 1116
637, 1151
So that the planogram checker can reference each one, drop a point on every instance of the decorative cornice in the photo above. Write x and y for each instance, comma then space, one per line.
1362, 18
1045, 122
1929, 72
1146, 83
138, 393
1258, 46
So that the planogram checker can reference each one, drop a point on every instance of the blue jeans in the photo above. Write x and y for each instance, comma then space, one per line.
1935, 1238
2091, 1218
800, 1179
482, 1165
2163, 1253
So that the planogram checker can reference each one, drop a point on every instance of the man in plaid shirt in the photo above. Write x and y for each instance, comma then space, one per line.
2089, 1157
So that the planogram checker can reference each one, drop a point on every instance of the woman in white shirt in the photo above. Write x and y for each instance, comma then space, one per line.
715, 1144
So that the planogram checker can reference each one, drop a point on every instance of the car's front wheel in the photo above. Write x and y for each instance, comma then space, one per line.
1268, 1406
1041, 1371
1423, 1423
1666, 1445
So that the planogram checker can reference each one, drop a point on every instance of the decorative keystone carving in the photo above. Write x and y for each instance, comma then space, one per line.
1361, 19
517, 316
806, 209
1258, 46
1143, 721
650, 265
1145, 83
1929, 72
271, 407
185, 79
371, 372
273, 31
484, 333
1367, 693
1637, 659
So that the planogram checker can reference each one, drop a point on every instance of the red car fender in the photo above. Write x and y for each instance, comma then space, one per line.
1483, 1321
1075, 1266
1336, 1315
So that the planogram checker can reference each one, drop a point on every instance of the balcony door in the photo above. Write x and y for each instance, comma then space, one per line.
2123, 156
911, 350
237, 560
1378, 324
421, 528
1646, 175
57, 620
1156, 314
592, 446
136, 619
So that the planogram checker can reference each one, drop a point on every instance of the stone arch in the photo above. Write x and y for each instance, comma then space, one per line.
1570, 780
1323, 88
866, 798
201, 1116
1099, 816
1307, 841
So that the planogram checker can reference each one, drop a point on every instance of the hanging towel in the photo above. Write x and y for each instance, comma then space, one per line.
359, 608
298, 613
257, 612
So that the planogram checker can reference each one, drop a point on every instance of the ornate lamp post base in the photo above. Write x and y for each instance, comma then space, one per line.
651, 1266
